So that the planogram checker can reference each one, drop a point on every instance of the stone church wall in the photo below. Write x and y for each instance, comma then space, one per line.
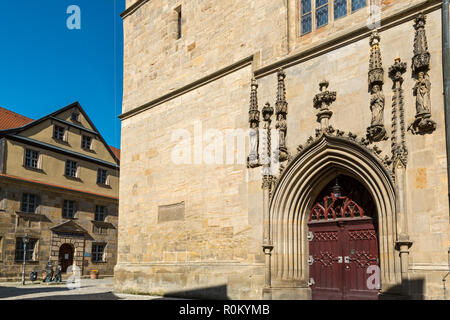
212, 247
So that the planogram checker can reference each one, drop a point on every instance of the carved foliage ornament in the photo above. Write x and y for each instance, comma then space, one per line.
321, 102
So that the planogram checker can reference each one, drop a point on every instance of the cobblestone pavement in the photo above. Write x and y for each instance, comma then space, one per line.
100, 289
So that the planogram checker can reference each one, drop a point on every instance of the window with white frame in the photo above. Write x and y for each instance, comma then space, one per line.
102, 176
59, 133
31, 159
86, 142
71, 168
318, 13
98, 252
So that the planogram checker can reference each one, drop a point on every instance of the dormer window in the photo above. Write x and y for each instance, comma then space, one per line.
59, 133
75, 116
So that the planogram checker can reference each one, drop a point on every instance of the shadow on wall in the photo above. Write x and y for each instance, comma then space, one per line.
208, 293
416, 288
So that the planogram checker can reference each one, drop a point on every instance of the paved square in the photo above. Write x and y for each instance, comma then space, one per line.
100, 289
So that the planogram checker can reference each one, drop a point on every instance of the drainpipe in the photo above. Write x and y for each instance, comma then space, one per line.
446, 73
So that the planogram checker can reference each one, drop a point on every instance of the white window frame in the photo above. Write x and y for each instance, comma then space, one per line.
39, 161
77, 172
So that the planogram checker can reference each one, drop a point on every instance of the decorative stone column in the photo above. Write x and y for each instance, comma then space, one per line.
400, 160
253, 117
267, 185
422, 90
321, 102
376, 132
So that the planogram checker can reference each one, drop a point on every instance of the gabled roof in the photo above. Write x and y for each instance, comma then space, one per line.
10, 119
25, 125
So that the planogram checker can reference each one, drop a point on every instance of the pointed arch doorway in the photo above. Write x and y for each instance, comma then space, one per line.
343, 243
298, 189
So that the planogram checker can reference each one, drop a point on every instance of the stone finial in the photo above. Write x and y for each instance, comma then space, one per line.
322, 101
376, 71
253, 112
397, 70
281, 104
421, 58
267, 111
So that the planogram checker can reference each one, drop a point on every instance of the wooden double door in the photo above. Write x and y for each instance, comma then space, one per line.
343, 259
66, 256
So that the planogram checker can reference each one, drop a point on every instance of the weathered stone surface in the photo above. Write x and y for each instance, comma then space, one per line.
219, 241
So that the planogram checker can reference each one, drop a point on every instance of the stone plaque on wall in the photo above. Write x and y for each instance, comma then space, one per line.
171, 212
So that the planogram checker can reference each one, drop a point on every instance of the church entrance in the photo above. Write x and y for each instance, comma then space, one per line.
66, 256
343, 243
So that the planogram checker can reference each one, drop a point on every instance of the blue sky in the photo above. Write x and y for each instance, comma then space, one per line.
45, 66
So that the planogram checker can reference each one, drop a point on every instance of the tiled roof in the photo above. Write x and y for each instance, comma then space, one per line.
115, 151
9, 119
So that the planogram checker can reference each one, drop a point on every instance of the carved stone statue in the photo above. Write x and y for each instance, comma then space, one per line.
422, 92
253, 116
253, 133
282, 128
377, 106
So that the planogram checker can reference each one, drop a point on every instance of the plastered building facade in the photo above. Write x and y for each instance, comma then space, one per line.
51, 189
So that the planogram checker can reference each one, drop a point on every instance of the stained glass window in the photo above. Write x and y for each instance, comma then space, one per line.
306, 16
321, 13
340, 8
358, 4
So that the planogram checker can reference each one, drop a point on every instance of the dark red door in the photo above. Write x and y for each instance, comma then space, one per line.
325, 268
343, 251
